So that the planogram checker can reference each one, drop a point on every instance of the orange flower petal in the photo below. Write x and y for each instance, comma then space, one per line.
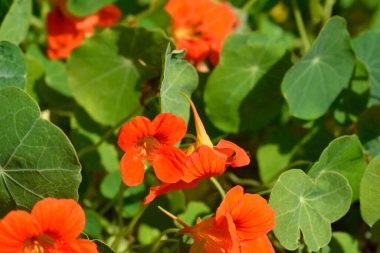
168, 163
62, 35
202, 137
165, 188
78, 246
63, 219
108, 16
240, 157
133, 131
132, 168
204, 162
15, 228
250, 212
169, 129
261, 244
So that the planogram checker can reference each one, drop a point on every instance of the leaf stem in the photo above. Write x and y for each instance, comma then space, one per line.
300, 25
156, 246
247, 6
218, 187
129, 229
327, 10
111, 130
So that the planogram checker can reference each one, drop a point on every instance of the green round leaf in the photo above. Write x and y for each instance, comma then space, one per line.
312, 85
36, 158
178, 76
103, 82
14, 27
12, 66
308, 206
345, 156
367, 50
246, 61
370, 193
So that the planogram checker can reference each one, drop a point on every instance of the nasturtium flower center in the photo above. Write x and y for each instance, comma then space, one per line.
40, 244
189, 33
148, 145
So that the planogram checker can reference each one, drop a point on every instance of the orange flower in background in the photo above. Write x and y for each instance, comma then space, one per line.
241, 225
66, 32
53, 226
204, 160
200, 27
142, 139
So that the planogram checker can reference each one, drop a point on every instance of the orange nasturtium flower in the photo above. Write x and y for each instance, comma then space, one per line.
204, 160
200, 27
52, 227
65, 32
153, 141
241, 225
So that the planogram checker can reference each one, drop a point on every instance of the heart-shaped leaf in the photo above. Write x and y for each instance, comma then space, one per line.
15, 25
370, 193
367, 50
308, 206
36, 158
12, 66
245, 62
345, 156
178, 76
312, 85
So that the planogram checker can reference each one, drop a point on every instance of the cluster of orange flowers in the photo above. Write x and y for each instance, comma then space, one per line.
242, 220
65, 31
199, 26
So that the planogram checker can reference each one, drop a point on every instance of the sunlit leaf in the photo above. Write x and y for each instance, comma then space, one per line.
370, 192
147, 234
12, 66
16, 23
178, 76
345, 156
308, 206
103, 82
312, 85
246, 61
36, 159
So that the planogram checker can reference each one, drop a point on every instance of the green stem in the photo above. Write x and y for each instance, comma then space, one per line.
129, 229
264, 192
247, 6
327, 10
120, 205
156, 246
111, 130
218, 187
300, 25
243, 181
